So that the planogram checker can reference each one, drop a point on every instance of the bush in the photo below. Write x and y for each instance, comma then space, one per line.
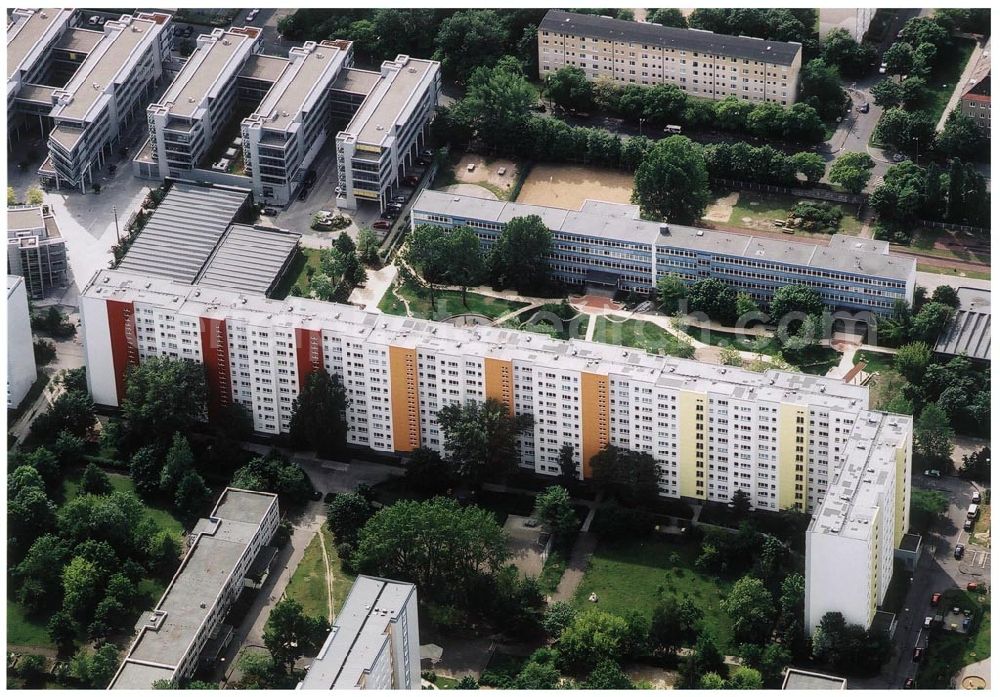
818, 216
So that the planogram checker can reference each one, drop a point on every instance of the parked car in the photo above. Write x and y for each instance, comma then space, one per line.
251, 15
959, 551
966, 623
931, 473
411, 180
918, 653
972, 587
310, 178
976, 497
381, 225
316, 495
864, 108
935, 599
540, 108
967, 525
882, 68
928, 621
94, 20
270, 210
427, 152
899, 34
401, 198
908, 684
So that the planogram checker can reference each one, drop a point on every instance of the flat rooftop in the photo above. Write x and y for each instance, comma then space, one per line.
356, 81
184, 231
310, 69
389, 98
80, 40
968, 332
266, 68
249, 259
220, 543
214, 62
359, 633
796, 679
121, 41
618, 221
24, 34
778, 52
25, 219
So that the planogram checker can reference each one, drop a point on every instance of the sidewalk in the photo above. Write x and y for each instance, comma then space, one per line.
963, 82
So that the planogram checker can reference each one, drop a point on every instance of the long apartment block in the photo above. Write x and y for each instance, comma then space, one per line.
855, 531
173, 635
199, 104
777, 435
374, 643
388, 129
609, 245
702, 63
92, 111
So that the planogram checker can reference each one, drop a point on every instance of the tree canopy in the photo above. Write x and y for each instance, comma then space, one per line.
481, 438
672, 182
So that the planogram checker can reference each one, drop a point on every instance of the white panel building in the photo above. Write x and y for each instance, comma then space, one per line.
21, 370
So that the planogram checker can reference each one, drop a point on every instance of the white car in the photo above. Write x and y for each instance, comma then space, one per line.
928, 621
251, 15
882, 68
94, 21
932, 473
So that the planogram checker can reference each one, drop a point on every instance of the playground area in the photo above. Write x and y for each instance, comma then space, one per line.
568, 186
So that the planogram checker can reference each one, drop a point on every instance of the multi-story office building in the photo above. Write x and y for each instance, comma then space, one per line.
185, 123
975, 101
859, 524
91, 112
387, 131
283, 135
776, 435
703, 64
609, 245
374, 643
21, 370
190, 614
854, 20
31, 35
35, 249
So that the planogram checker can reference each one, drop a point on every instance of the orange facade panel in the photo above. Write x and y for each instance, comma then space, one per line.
499, 381
404, 398
595, 415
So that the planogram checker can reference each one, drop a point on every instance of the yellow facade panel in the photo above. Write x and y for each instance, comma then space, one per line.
594, 416
404, 398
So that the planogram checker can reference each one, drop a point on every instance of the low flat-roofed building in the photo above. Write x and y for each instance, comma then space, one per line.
796, 679
21, 369
849, 273
210, 578
374, 643
968, 331
386, 133
35, 249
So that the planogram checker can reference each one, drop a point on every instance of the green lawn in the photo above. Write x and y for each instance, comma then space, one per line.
877, 361
925, 238
447, 303
635, 576
555, 319
952, 271
305, 263
948, 68
552, 572
948, 652
758, 211
816, 361
308, 583
639, 334
443, 682
26, 631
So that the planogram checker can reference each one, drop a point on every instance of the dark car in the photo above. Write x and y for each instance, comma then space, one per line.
864, 108
967, 526
303, 193
908, 684
935, 599
270, 210
411, 180
402, 198
381, 225
540, 108
387, 215
317, 495
918, 653
959, 551
310, 178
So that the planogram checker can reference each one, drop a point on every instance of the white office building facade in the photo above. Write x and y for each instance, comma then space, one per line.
21, 369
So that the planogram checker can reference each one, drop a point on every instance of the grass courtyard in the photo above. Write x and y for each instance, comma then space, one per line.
308, 584
635, 576
303, 266
948, 652
877, 362
752, 210
640, 334
559, 320
447, 303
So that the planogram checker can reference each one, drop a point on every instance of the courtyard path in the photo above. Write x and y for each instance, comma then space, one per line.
579, 558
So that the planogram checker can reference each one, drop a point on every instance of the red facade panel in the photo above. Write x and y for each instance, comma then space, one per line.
308, 353
124, 342
215, 356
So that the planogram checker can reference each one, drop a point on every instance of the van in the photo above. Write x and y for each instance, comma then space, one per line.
670, 128
973, 512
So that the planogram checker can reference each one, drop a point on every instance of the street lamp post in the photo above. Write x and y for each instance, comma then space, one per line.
118, 233
641, 121
917, 152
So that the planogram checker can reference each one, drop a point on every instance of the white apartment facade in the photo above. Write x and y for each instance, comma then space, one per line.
387, 131
374, 643
185, 123
703, 64
21, 370
854, 20
211, 576
35, 249
91, 112
852, 537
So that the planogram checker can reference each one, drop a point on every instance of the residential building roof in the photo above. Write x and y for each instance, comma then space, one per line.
777, 52
977, 87
25, 218
968, 332
796, 679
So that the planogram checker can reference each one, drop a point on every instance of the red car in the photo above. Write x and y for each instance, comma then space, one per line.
935, 599
918, 653
381, 225
411, 180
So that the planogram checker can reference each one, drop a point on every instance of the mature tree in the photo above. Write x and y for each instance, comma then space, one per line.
925, 30
62, 629
751, 608
887, 93
145, 468
945, 294
733, 114
466, 265
800, 299
567, 463
81, 587
912, 360
975, 465
898, 58
668, 17
555, 511
318, 414
192, 497
481, 438
821, 89
662, 104
428, 473
926, 508
162, 552
840, 49
593, 637
427, 253
497, 103
773, 661
931, 320
178, 461
570, 89
810, 165
437, 544
671, 290
95, 669
706, 658
558, 616
672, 182
628, 473
905, 130
714, 298
29, 514
467, 682
512, 599
95, 481
368, 248
711, 681
675, 623
537, 675
290, 634
347, 514
608, 675
469, 39
852, 171
274, 473
520, 256
849, 647
68, 449
73, 411
40, 573
163, 397
933, 437
744, 678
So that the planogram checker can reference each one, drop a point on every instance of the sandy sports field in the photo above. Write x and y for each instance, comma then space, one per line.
568, 186
486, 173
